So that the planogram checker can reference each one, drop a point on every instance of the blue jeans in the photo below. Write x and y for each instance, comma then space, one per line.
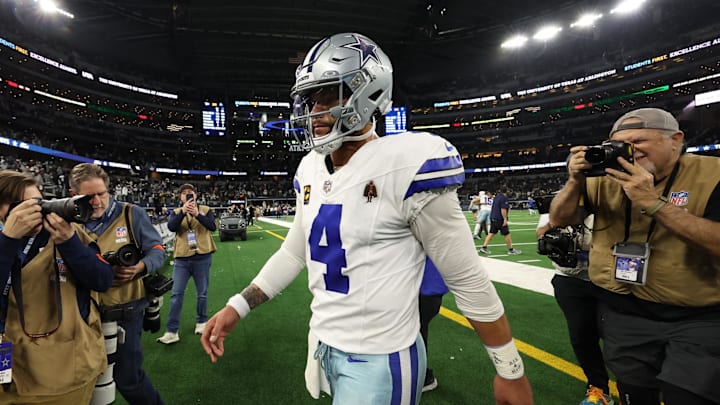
197, 267
131, 380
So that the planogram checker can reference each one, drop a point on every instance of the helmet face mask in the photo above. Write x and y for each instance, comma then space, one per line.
349, 76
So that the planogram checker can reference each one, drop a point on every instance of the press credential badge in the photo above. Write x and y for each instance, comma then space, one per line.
5, 362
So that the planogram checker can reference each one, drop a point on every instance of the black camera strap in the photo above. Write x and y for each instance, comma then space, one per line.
628, 206
131, 233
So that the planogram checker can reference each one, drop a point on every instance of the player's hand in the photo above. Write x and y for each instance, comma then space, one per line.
577, 163
60, 230
23, 220
217, 328
638, 183
512, 392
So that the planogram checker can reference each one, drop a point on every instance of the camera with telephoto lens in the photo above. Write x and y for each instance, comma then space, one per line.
605, 156
560, 245
72, 209
151, 320
128, 255
155, 286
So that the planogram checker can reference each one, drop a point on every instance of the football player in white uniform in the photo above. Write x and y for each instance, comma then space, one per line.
369, 210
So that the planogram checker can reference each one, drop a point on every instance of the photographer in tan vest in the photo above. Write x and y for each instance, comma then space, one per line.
51, 346
125, 229
193, 225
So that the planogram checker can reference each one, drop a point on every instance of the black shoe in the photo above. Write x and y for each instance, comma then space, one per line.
430, 381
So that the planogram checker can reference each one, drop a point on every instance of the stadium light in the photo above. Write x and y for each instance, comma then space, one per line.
514, 42
547, 33
49, 6
627, 6
586, 20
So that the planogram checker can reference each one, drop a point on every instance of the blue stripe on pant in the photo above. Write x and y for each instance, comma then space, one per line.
361, 379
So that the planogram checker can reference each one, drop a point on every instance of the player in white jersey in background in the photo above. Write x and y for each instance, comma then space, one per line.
482, 220
365, 254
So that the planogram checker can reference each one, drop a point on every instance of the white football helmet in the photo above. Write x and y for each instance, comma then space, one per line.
359, 71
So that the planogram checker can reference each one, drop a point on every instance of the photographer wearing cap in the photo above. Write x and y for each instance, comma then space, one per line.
51, 345
656, 242
119, 227
193, 225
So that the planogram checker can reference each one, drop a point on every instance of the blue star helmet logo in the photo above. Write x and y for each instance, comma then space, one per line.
367, 50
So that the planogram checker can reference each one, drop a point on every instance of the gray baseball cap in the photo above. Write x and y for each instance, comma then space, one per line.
653, 118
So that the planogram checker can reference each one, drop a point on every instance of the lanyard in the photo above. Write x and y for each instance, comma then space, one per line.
628, 206
107, 215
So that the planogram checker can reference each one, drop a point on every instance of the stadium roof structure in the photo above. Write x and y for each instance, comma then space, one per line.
251, 48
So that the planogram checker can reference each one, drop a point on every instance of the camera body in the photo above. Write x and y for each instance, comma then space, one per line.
157, 284
127, 255
560, 245
605, 156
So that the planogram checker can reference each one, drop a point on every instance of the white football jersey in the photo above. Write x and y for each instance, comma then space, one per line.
364, 264
485, 202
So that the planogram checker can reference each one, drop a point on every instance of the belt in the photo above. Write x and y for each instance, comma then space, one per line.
120, 312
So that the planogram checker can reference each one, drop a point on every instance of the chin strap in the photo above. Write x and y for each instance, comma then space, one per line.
361, 137
330, 147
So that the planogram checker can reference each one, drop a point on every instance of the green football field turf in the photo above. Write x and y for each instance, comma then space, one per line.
265, 356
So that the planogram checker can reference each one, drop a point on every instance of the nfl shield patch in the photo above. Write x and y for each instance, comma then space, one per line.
120, 232
679, 198
62, 270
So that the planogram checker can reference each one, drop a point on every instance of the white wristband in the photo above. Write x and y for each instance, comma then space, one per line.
240, 305
507, 361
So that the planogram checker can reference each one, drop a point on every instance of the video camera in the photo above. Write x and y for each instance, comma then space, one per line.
543, 203
560, 245
605, 156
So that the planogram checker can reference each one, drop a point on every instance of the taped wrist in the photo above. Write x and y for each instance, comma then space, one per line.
507, 360
240, 305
